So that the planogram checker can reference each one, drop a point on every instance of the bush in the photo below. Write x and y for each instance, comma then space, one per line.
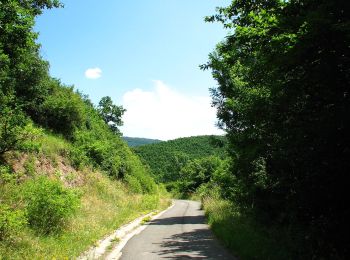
49, 204
133, 183
12, 123
77, 157
5, 175
11, 221
63, 111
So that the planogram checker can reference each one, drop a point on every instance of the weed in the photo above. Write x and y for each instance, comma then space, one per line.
11, 221
146, 220
70, 177
113, 243
29, 165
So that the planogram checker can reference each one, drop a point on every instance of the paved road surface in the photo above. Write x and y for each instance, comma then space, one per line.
180, 233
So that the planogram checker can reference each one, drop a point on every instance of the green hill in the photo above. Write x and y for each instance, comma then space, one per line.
67, 179
137, 141
167, 158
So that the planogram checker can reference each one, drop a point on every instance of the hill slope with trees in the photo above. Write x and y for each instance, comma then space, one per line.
138, 141
167, 158
283, 99
66, 176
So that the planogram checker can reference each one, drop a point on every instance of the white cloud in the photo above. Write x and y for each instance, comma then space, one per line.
93, 73
166, 114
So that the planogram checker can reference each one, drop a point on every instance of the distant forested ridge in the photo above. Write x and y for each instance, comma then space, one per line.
167, 158
137, 141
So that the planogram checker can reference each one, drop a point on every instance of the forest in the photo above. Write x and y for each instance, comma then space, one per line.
166, 158
283, 99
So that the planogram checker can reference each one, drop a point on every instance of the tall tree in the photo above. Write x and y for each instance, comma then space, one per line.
283, 98
22, 71
111, 114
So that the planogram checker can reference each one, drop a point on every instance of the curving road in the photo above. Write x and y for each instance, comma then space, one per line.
179, 233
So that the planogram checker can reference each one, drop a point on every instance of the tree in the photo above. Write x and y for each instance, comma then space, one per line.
12, 124
16, 130
111, 114
197, 172
283, 96
23, 73
63, 110
22, 70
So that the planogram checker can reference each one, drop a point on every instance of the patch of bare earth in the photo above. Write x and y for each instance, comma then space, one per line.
59, 167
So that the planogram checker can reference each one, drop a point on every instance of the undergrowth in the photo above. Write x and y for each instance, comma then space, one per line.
105, 205
241, 235
61, 213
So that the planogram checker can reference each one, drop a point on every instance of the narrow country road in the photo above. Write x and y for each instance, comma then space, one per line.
180, 233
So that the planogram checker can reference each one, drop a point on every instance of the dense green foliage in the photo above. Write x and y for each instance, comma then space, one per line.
44, 122
167, 158
283, 99
11, 222
49, 204
28, 94
105, 204
242, 234
111, 113
12, 124
137, 141
22, 72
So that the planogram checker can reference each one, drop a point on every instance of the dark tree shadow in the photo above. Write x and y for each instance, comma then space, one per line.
179, 220
197, 244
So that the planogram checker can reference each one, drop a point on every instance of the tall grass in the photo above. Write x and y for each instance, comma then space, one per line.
241, 235
105, 205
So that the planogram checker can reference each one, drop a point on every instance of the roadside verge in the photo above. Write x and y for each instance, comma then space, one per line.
111, 246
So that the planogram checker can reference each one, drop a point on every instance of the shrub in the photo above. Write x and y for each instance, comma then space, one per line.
63, 111
147, 183
11, 221
49, 204
5, 174
133, 183
12, 124
77, 157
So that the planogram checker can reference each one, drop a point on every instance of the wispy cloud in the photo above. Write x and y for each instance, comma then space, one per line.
165, 114
93, 73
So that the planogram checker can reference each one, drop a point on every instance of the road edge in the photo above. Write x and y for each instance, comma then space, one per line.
110, 247
116, 252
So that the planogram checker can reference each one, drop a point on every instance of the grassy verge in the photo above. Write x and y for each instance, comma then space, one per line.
241, 235
105, 205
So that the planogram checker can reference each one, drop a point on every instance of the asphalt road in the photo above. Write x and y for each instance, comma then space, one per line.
179, 233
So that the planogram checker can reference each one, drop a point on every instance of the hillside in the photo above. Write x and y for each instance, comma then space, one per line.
167, 158
67, 179
137, 141
51, 208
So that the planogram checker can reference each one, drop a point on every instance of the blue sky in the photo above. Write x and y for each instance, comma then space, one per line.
144, 54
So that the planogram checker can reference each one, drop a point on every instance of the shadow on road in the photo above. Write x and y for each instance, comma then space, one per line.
197, 244
179, 220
